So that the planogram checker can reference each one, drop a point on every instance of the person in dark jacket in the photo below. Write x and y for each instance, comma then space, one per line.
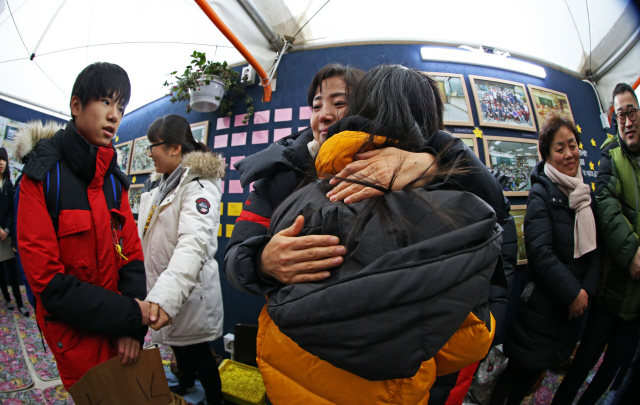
76, 235
6, 237
614, 318
258, 263
564, 264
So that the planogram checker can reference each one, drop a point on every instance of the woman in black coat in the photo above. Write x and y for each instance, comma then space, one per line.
6, 224
564, 264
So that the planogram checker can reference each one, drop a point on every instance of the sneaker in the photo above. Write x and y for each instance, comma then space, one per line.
178, 390
10, 305
24, 311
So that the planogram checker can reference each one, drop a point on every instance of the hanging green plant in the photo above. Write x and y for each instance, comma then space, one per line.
208, 86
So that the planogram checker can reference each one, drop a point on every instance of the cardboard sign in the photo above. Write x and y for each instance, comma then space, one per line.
111, 383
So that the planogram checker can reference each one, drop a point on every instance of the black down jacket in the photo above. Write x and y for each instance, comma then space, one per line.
540, 333
403, 291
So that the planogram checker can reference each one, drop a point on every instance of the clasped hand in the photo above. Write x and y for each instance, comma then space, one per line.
153, 315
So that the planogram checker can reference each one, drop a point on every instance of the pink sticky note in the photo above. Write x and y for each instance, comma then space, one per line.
223, 123
261, 117
301, 128
235, 187
237, 122
283, 114
239, 139
234, 159
305, 112
222, 186
220, 141
281, 133
251, 186
260, 137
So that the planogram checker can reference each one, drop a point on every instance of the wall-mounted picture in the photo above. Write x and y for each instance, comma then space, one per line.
470, 140
10, 132
135, 191
124, 155
513, 157
200, 131
546, 101
140, 160
502, 104
453, 91
518, 212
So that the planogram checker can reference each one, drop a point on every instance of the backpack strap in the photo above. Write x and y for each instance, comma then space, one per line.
51, 188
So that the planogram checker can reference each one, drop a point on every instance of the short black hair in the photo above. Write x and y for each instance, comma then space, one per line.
547, 134
623, 88
349, 75
102, 79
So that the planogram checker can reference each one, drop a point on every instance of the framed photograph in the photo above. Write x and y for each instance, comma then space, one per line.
10, 132
453, 91
124, 155
502, 104
135, 191
200, 131
546, 101
514, 157
470, 140
518, 212
140, 160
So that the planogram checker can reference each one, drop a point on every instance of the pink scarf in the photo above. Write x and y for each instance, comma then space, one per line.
584, 230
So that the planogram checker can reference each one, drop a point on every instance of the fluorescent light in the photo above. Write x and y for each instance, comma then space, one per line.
497, 142
518, 150
533, 147
493, 147
482, 59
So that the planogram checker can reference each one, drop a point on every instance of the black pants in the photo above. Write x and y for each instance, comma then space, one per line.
9, 266
514, 384
603, 327
198, 359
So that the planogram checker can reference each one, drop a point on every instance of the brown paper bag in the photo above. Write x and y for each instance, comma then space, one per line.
111, 383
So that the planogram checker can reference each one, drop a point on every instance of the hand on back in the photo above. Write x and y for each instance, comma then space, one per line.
292, 259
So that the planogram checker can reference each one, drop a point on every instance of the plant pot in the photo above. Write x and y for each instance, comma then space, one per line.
207, 98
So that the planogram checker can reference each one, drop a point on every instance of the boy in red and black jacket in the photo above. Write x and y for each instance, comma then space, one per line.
76, 234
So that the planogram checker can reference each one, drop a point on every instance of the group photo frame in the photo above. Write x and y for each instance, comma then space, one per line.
123, 151
513, 157
453, 91
547, 101
200, 131
502, 103
141, 162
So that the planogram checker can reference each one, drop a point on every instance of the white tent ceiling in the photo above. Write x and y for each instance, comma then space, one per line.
150, 38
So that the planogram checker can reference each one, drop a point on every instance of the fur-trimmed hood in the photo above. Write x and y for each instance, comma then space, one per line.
208, 164
27, 137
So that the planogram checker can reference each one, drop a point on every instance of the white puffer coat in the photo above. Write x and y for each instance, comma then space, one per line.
179, 245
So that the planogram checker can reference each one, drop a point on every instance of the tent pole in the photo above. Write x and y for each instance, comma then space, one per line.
238, 45
33, 54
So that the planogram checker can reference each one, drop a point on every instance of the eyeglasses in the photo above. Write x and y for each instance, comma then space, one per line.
154, 144
631, 113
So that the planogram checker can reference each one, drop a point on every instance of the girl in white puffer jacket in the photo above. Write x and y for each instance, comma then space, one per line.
178, 225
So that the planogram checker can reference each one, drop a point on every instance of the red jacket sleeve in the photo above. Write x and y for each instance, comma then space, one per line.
37, 239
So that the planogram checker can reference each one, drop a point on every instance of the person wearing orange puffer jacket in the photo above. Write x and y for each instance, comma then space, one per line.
410, 300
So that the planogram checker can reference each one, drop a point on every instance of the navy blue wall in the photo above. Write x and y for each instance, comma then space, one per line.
294, 75
23, 114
